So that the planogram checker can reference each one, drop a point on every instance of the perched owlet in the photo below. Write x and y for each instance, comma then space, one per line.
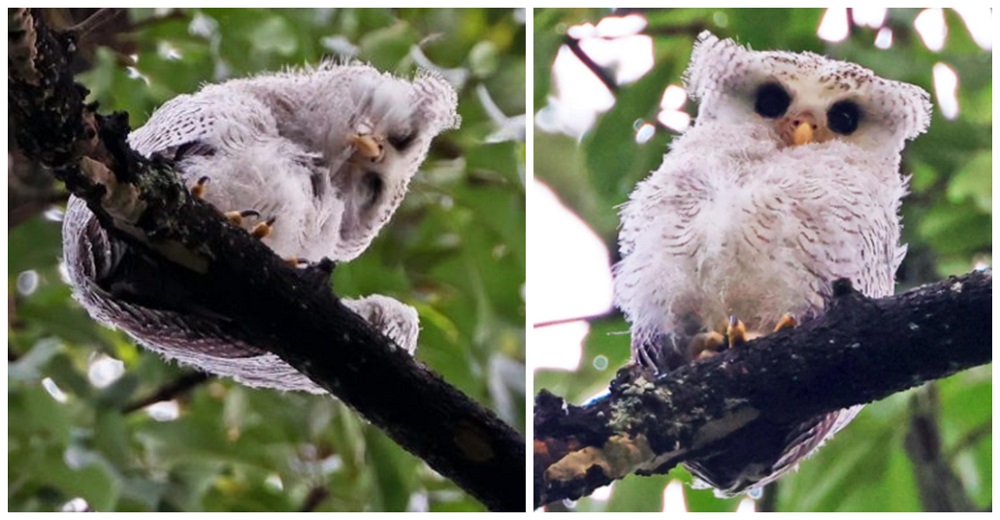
788, 180
313, 162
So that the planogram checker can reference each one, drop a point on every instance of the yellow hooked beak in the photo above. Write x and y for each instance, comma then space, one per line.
367, 147
802, 128
802, 134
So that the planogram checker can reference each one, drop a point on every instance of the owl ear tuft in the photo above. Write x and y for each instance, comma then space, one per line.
918, 110
704, 76
437, 99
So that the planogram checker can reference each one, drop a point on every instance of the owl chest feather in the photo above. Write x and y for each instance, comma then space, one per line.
753, 230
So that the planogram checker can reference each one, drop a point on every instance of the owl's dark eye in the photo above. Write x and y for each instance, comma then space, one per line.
772, 101
843, 117
402, 141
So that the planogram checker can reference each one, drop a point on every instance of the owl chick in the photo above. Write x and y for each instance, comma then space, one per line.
314, 162
789, 180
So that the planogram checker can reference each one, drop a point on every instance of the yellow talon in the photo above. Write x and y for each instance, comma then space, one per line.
263, 229
705, 345
198, 190
787, 321
737, 332
236, 217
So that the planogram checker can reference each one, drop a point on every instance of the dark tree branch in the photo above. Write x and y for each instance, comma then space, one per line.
860, 351
290, 312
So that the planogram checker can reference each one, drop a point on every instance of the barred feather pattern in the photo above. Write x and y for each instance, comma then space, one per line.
281, 145
737, 222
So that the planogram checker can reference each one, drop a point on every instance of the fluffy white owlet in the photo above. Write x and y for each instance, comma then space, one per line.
789, 180
315, 161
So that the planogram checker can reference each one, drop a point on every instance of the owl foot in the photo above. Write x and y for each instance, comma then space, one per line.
710, 343
706, 344
236, 217
259, 230
737, 335
736, 332
198, 190
295, 261
787, 321
263, 229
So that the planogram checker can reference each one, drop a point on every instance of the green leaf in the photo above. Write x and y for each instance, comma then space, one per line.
974, 181
274, 35
484, 59
386, 47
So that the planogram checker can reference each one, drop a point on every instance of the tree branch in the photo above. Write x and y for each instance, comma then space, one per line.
289, 312
860, 351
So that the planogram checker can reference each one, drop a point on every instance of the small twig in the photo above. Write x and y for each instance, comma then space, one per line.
561, 321
315, 497
970, 439
938, 487
690, 30
13, 321
26, 210
169, 391
174, 14
99, 18
602, 74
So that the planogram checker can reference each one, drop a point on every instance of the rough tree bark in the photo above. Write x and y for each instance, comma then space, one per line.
860, 351
291, 312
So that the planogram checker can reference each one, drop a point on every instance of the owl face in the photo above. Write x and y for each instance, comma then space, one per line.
803, 97
370, 131
389, 129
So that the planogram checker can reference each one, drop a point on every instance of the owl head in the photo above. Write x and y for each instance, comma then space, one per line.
376, 129
803, 97
390, 123
400, 116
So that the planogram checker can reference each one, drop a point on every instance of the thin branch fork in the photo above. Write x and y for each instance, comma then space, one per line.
290, 312
859, 351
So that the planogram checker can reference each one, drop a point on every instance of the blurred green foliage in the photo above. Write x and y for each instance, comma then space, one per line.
947, 224
455, 251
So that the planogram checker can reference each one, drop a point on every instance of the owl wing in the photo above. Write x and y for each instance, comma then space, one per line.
660, 239
804, 439
205, 122
763, 452
123, 289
